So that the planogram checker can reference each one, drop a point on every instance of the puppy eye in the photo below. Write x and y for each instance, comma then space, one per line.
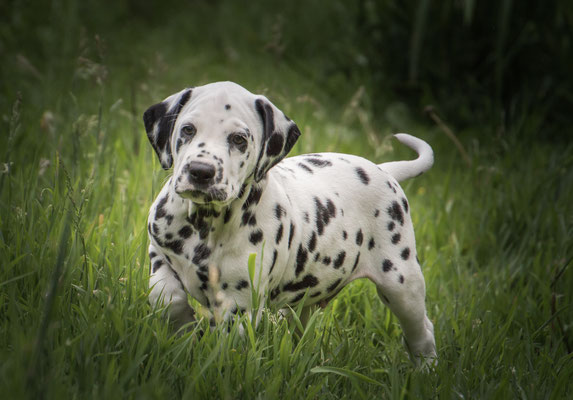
188, 130
238, 140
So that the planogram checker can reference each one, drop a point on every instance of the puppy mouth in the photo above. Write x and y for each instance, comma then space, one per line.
204, 196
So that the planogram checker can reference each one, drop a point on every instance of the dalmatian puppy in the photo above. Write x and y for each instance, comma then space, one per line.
315, 221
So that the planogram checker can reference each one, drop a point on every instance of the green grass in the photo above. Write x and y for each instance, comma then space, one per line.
495, 240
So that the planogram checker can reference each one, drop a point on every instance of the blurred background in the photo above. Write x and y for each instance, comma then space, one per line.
480, 64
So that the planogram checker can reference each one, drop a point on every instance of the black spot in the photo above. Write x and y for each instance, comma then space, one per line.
275, 292
316, 257
153, 114
306, 217
156, 265
248, 218
279, 211
334, 285
391, 226
307, 282
227, 216
253, 198
376, 213
323, 214
178, 145
197, 219
405, 253
152, 254
344, 235
267, 116
242, 190
371, 243
275, 255
362, 175
396, 238
201, 144
301, 257
405, 204
156, 237
169, 219
160, 210
242, 284
185, 232
256, 236
359, 237
317, 162
395, 212
297, 298
312, 242
387, 265
331, 208
290, 234
202, 277
391, 187
168, 236
401, 279
326, 260
224, 286
227, 106
316, 294
201, 252
306, 168
339, 259
279, 234
356, 262
176, 246
275, 145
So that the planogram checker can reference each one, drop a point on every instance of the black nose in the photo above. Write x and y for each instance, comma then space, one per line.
199, 172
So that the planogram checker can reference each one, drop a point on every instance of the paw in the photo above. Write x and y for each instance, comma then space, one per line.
180, 316
422, 350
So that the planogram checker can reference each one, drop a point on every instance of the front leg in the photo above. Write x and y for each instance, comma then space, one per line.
167, 289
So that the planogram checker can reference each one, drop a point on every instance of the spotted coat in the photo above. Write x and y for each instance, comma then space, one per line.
315, 221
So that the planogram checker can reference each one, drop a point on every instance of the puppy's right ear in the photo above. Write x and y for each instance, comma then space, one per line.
159, 120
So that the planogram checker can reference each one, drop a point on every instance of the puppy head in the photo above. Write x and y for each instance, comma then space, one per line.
218, 137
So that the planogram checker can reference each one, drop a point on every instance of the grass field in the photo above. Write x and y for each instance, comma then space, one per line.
495, 238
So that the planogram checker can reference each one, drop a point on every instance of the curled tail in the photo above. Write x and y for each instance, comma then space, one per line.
402, 170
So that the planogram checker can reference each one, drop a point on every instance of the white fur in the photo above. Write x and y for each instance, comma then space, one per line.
345, 208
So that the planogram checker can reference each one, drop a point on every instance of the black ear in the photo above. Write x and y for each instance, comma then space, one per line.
279, 136
159, 120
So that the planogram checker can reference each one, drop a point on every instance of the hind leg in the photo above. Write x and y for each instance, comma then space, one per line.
400, 285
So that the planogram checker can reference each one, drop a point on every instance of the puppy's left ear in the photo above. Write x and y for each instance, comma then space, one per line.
159, 120
279, 136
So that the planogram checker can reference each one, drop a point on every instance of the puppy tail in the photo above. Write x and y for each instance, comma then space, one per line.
402, 170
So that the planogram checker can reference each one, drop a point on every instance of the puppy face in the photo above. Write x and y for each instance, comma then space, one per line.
218, 137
